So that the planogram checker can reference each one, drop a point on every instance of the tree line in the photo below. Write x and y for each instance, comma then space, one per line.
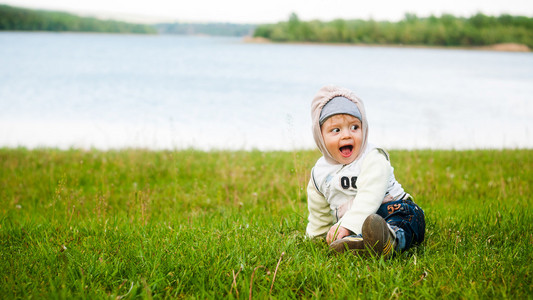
446, 30
21, 19
218, 29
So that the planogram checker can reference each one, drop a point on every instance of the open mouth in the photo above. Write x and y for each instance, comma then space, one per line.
346, 151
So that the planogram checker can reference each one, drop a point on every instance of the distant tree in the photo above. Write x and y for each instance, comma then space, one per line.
446, 30
13, 18
218, 29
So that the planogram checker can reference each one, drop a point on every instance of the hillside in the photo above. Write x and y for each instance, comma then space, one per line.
21, 19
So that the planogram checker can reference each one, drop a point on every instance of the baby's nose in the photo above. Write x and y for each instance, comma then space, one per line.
345, 133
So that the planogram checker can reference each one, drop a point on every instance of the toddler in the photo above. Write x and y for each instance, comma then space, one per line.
353, 198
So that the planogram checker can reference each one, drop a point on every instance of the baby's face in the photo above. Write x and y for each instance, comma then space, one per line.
343, 137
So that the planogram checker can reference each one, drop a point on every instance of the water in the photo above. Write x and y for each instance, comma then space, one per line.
173, 92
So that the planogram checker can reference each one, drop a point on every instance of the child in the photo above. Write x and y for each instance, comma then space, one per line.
353, 197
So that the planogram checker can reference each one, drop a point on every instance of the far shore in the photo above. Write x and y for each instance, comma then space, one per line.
505, 47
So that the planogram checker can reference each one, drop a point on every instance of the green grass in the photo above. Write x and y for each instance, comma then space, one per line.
189, 224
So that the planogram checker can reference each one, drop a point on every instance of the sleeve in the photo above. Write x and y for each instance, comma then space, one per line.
320, 218
371, 189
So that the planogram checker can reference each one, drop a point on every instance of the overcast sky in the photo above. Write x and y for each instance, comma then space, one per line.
271, 11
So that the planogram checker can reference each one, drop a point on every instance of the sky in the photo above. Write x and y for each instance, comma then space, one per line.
272, 11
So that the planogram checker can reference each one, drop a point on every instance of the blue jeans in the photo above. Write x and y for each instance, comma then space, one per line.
406, 216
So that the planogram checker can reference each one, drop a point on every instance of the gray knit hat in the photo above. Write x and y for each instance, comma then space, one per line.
339, 105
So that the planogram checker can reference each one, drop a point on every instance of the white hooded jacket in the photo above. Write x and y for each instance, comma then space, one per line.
347, 194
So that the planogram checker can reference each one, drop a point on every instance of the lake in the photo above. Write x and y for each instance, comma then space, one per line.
110, 91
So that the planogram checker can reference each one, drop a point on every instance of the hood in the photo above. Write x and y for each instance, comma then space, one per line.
321, 98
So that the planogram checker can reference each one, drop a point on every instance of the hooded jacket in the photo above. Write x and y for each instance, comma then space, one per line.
347, 194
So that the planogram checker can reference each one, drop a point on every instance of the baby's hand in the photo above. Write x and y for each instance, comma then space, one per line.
337, 232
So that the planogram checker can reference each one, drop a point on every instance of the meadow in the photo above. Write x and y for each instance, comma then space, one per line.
125, 224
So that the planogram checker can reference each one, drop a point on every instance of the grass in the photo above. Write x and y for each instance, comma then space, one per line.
189, 224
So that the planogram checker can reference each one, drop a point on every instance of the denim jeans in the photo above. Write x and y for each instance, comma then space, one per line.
406, 216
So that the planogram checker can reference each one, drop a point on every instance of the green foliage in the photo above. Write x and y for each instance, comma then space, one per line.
189, 224
447, 30
14, 18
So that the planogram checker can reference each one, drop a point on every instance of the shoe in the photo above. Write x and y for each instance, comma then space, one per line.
349, 243
378, 237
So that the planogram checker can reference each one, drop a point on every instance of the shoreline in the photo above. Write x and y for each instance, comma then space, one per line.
500, 47
253, 150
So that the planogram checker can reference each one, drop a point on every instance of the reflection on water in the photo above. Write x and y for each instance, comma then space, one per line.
113, 91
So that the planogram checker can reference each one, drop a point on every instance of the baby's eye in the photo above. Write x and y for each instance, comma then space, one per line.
335, 130
355, 127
